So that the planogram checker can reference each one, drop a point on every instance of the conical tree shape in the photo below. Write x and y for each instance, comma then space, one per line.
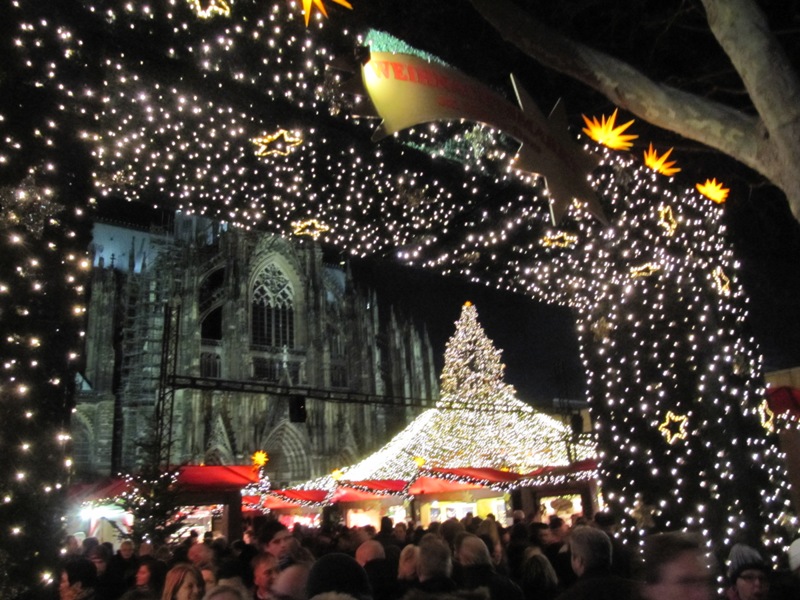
472, 377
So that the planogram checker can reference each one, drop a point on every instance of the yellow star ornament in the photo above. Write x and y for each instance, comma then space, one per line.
607, 133
658, 163
281, 143
211, 9
259, 458
713, 190
308, 7
674, 427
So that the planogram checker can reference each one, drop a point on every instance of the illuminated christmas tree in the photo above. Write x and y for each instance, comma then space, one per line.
478, 422
472, 376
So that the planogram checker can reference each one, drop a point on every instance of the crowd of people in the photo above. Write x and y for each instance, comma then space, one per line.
467, 559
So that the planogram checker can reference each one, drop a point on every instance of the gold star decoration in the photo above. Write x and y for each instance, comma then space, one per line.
559, 240
212, 9
674, 427
337, 474
279, 143
601, 329
311, 227
713, 191
607, 133
722, 281
767, 416
658, 163
667, 220
259, 458
419, 460
644, 270
308, 7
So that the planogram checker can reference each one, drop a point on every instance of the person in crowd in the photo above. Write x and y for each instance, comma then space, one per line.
209, 575
265, 570
675, 567
110, 585
407, 566
201, 555
183, 582
518, 542
151, 575
78, 580
274, 538
538, 579
291, 583
72, 546
748, 574
400, 533
339, 573
435, 565
556, 549
477, 570
126, 563
382, 573
489, 532
226, 592
590, 557
621, 558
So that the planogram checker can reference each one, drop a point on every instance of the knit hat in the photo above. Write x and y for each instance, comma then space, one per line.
742, 558
338, 572
794, 555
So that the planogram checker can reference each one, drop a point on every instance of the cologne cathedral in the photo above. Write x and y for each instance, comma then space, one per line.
247, 342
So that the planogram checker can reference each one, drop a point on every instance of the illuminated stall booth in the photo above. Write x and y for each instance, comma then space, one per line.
468, 454
210, 497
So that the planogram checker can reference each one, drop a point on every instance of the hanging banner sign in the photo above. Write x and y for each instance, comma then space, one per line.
406, 90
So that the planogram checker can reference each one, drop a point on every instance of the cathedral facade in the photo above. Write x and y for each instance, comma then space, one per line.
248, 341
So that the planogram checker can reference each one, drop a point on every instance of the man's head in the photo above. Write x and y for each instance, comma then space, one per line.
126, 549
748, 573
79, 574
435, 559
369, 550
291, 583
273, 538
472, 551
590, 550
675, 567
265, 571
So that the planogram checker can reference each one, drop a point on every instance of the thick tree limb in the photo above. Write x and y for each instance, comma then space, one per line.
743, 137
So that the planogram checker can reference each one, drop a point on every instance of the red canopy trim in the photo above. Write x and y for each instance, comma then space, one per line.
216, 477
439, 485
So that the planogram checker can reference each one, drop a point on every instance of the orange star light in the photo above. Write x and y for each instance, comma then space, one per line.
658, 163
308, 6
713, 191
607, 133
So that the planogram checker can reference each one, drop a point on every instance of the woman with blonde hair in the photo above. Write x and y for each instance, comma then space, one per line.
184, 582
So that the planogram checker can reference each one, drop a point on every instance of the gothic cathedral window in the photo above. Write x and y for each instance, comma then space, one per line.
272, 309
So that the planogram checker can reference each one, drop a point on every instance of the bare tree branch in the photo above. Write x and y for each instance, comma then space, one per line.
769, 146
